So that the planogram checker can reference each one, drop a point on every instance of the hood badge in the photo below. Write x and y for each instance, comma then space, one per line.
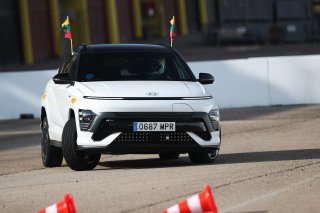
152, 94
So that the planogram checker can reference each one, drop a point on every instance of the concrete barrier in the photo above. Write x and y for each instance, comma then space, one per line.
263, 81
294, 80
239, 83
20, 92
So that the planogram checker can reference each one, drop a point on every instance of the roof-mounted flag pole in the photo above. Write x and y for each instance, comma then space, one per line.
172, 30
67, 31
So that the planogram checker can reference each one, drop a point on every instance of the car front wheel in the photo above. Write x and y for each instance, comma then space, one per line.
76, 160
51, 155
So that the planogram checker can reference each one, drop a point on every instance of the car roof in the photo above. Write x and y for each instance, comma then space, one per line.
125, 48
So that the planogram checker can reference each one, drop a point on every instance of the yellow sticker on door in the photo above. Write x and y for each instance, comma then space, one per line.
73, 100
44, 96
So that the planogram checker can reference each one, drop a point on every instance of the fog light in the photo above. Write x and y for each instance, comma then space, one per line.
85, 119
214, 115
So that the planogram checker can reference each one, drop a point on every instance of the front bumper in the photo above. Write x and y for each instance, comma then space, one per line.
113, 133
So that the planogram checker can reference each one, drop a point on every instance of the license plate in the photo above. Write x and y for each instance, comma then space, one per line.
154, 126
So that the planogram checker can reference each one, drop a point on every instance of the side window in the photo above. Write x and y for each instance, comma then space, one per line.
69, 66
64, 68
73, 66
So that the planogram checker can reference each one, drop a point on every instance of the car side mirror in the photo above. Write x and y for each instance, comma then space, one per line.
206, 78
62, 78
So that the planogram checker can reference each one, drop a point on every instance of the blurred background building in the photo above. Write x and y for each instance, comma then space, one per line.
30, 33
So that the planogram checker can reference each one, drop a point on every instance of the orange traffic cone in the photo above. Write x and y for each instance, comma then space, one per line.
202, 202
63, 206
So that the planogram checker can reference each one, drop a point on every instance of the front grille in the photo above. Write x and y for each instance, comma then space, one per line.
153, 137
133, 137
175, 137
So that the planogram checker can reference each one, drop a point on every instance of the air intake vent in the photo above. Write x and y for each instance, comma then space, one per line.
149, 137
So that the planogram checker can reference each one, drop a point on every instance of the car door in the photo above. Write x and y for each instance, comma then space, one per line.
61, 100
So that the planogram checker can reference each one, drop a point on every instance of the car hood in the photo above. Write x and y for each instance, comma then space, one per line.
141, 89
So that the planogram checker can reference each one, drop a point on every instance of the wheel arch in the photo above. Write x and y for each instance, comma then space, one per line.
43, 113
71, 114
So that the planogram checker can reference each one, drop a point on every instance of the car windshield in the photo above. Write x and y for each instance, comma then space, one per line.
121, 66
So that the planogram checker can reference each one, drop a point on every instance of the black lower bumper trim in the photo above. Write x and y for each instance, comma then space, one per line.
149, 149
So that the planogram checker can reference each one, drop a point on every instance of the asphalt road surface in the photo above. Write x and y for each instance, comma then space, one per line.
269, 162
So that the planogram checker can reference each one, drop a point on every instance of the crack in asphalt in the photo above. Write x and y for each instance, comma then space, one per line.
269, 194
216, 187
28, 170
268, 174
41, 184
224, 185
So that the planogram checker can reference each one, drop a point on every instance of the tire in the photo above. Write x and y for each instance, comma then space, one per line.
203, 157
76, 160
169, 156
51, 155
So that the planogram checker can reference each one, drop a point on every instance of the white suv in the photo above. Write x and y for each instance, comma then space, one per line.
127, 99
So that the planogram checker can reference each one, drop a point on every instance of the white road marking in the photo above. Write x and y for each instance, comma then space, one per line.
270, 194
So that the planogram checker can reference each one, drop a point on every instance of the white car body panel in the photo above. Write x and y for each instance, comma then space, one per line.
140, 88
59, 97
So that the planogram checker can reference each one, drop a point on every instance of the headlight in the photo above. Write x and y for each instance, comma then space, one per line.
85, 119
214, 115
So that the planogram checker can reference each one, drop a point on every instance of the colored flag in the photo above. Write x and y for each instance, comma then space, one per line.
172, 28
66, 28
